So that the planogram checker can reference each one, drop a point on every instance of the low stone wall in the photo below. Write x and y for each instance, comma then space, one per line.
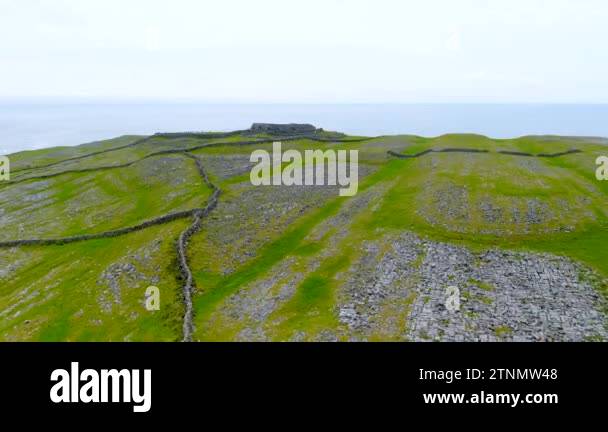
465, 150
403, 156
460, 150
186, 274
138, 142
200, 135
515, 153
75, 171
108, 234
182, 250
551, 155
340, 140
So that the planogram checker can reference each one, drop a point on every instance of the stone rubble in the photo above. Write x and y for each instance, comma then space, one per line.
504, 295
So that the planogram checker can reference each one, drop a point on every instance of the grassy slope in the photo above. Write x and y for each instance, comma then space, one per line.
501, 179
101, 201
57, 291
53, 293
33, 158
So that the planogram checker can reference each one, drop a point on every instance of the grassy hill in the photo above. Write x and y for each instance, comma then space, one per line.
520, 232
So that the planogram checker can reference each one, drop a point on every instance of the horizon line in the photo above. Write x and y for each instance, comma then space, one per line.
178, 100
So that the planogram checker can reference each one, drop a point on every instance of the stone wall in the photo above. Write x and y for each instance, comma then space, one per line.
466, 150
201, 135
108, 234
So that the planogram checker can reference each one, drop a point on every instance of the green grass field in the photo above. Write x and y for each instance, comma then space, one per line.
273, 259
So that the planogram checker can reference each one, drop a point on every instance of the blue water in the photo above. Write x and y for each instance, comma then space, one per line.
32, 126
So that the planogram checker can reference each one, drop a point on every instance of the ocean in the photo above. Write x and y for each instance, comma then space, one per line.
28, 126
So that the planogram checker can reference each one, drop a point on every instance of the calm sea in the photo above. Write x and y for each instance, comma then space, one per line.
32, 126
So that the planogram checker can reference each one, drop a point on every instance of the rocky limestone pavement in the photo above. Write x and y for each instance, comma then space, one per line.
504, 295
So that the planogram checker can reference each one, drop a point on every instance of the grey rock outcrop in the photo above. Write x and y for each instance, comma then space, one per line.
504, 295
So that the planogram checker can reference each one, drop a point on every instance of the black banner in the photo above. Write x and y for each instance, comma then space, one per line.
209, 379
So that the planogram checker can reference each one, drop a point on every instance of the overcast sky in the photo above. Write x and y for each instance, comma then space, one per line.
306, 51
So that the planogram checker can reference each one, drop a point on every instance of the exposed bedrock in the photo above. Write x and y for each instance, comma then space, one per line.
504, 295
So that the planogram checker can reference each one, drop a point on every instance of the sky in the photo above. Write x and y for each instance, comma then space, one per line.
313, 51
